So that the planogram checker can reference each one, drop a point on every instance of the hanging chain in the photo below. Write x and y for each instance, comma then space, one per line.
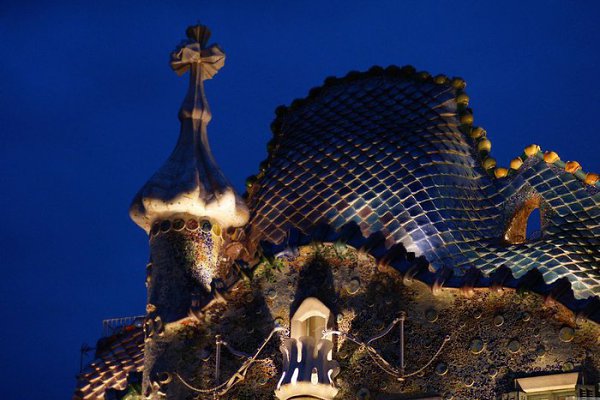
399, 373
378, 359
222, 388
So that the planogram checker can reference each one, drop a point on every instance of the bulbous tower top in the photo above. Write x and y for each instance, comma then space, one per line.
190, 182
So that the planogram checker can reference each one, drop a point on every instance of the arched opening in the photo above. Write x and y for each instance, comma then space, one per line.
308, 365
534, 225
311, 319
315, 325
526, 223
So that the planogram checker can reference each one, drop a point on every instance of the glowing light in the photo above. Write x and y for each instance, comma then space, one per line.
280, 380
295, 376
314, 376
299, 355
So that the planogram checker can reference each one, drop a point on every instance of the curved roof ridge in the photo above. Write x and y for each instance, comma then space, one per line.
551, 158
478, 135
407, 72
483, 145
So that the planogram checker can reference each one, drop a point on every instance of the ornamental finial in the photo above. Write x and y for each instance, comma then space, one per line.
203, 63
194, 51
190, 181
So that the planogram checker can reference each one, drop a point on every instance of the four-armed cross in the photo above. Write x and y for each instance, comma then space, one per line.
203, 62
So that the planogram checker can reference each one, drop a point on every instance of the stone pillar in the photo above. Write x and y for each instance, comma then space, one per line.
308, 365
308, 369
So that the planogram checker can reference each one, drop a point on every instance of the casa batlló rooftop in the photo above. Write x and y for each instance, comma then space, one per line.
379, 252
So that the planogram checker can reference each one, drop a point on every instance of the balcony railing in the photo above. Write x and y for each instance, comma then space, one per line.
308, 369
117, 325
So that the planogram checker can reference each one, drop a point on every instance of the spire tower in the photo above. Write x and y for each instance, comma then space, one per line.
190, 182
184, 207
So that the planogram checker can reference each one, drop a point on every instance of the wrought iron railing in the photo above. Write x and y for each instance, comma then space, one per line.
223, 387
113, 326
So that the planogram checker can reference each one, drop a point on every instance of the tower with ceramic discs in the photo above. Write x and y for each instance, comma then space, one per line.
184, 207
379, 253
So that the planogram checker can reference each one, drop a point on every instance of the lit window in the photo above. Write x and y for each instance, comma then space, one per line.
310, 319
550, 387
308, 365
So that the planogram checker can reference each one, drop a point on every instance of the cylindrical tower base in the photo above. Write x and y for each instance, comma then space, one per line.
184, 260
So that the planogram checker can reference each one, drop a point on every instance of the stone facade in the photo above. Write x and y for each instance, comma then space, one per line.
380, 253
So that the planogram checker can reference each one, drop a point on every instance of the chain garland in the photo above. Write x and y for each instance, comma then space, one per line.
240, 374
378, 359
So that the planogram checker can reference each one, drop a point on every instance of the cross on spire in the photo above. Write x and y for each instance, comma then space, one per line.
203, 63
190, 183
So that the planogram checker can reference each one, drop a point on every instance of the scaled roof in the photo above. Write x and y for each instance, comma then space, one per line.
391, 154
116, 357
388, 161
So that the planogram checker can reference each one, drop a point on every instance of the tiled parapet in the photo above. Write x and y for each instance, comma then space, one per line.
308, 369
116, 358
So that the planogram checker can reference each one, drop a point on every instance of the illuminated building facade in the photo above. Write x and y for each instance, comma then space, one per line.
379, 253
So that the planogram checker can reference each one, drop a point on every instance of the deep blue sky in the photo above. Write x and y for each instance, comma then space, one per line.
88, 110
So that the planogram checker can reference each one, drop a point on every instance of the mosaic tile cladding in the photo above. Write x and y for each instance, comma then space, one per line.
392, 155
377, 193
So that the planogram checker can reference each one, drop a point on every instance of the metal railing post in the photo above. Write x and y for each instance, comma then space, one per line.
219, 342
402, 318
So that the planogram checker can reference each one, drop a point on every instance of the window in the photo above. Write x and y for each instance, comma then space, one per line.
550, 387
553, 395
533, 226
315, 326
526, 223
308, 365
311, 319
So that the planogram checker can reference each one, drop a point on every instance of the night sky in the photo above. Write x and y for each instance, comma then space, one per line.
88, 111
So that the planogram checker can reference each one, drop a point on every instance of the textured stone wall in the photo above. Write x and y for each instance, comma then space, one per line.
495, 335
184, 260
